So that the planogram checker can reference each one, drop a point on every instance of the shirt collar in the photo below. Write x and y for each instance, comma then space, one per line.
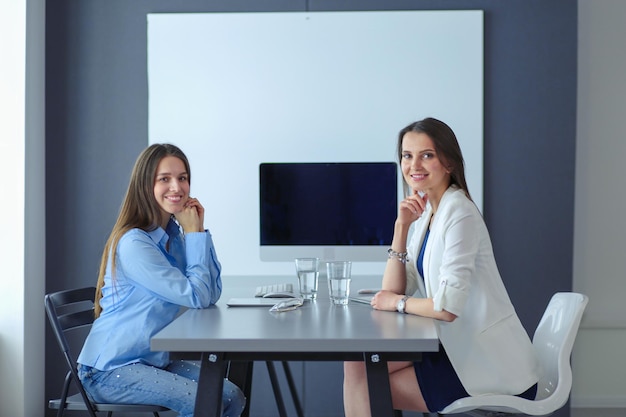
172, 228
160, 236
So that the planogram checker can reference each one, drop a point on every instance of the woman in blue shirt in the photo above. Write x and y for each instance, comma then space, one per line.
158, 258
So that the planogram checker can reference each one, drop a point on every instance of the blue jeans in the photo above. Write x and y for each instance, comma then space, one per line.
174, 387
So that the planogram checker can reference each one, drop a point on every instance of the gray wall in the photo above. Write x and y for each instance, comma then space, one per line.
600, 231
96, 124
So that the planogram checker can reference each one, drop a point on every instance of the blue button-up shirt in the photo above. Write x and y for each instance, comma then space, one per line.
148, 289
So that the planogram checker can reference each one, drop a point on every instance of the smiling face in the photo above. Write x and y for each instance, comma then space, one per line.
171, 187
421, 167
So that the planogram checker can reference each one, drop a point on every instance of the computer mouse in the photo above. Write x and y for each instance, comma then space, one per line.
279, 295
287, 305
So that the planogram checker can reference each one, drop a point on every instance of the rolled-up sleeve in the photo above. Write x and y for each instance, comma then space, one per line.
461, 242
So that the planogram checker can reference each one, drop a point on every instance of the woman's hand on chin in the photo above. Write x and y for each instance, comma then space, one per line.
191, 217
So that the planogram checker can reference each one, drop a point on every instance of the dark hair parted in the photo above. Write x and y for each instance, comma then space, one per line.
139, 209
446, 146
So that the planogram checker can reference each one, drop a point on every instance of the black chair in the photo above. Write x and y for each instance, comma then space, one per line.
67, 312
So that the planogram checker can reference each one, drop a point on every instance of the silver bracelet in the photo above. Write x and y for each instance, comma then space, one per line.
401, 256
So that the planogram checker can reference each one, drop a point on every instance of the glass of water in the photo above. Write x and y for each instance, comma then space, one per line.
339, 276
308, 273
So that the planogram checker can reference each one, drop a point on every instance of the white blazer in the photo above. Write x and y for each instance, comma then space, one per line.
487, 344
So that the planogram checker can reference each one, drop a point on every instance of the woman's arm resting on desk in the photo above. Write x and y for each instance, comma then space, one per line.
388, 301
395, 275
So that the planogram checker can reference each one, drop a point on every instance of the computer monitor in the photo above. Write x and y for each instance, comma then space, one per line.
334, 210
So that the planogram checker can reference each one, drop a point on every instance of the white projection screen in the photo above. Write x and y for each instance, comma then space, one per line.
234, 90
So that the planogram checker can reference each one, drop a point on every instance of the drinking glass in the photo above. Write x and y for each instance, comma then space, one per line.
308, 273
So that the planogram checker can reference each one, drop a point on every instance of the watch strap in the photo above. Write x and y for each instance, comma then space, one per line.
401, 307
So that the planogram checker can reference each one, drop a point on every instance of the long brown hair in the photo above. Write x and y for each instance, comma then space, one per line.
446, 146
139, 208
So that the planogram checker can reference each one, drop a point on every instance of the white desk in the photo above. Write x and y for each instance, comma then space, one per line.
316, 331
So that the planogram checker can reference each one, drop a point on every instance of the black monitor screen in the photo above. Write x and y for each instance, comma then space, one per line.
349, 203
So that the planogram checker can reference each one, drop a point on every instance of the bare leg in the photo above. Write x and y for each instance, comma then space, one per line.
356, 400
405, 391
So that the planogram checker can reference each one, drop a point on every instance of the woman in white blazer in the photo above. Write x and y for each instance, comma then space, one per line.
446, 271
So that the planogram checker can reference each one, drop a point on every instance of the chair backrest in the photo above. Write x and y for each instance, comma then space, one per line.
553, 342
68, 311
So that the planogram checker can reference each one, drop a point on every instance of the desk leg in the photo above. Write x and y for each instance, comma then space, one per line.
271, 370
378, 385
292, 388
240, 373
210, 385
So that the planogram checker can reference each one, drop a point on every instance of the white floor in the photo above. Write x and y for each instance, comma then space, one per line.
598, 412
574, 412
578, 412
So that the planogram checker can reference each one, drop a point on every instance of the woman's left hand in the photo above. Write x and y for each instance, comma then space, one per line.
385, 300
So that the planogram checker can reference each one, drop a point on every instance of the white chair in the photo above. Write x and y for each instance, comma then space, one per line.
553, 342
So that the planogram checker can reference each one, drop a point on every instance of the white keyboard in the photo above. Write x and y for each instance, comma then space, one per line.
280, 288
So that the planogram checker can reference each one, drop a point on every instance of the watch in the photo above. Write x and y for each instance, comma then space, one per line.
402, 304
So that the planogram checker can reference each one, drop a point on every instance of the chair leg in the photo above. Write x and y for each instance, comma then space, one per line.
66, 387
